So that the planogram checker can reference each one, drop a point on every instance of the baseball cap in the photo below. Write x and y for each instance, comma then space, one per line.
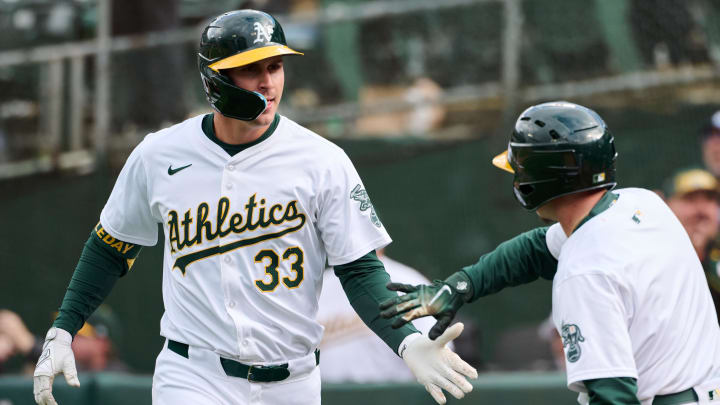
713, 127
102, 323
686, 181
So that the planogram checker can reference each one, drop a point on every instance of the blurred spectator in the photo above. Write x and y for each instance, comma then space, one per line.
16, 339
350, 351
666, 32
94, 350
530, 347
93, 345
711, 145
694, 197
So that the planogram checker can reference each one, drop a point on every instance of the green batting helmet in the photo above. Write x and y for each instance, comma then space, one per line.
234, 39
556, 149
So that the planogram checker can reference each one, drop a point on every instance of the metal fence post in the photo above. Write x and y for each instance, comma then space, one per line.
102, 84
512, 34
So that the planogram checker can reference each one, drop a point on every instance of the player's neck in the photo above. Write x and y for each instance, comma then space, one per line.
236, 132
571, 209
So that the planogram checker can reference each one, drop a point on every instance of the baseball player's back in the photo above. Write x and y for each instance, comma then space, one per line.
631, 288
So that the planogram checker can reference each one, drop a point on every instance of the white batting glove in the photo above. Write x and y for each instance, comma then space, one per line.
57, 357
437, 367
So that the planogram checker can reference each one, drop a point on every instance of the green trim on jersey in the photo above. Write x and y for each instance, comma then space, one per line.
517, 261
364, 282
615, 390
232, 150
102, 262
711, 265
607, 200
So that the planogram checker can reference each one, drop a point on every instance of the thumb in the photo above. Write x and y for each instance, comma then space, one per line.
450, 334
70, 372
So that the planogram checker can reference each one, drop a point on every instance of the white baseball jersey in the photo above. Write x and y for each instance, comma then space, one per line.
347, 340
247, 236
630, 300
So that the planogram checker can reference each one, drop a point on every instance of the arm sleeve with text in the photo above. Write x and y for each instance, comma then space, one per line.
127, 214
590, 311
348, 223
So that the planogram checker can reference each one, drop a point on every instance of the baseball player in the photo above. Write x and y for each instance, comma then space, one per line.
629, 297
253, 206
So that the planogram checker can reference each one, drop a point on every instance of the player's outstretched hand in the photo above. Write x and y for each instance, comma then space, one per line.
442, 299
437, 367
57, 357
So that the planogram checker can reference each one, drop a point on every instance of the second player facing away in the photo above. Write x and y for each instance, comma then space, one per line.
629, 297
253, 207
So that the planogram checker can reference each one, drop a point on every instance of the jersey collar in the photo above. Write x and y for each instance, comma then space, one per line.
232, 150
607, 200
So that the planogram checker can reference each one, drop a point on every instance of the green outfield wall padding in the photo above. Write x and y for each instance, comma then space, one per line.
491, 389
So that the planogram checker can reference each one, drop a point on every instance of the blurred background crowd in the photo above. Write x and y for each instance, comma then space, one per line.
420, 93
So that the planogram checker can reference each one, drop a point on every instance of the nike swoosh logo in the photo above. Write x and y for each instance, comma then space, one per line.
172, 171
440, 293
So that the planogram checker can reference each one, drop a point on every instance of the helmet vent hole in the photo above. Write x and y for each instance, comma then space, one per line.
526, 189
539, 123
525, 119
554, 134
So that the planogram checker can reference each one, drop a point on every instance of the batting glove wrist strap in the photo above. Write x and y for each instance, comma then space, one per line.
461, 283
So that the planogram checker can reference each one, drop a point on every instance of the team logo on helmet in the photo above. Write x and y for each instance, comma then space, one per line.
263, 33
360, 195
571, 338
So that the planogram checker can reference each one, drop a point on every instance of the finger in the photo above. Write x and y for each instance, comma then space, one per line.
448, 386
40, 384
450, 334
42, 390
440, 326
418, 312
436, 393
70, 372
399, 322
406, 288
396, 302
389, 302
457, 379
462, 367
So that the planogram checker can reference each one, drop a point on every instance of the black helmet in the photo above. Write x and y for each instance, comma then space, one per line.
233, 39
558, 148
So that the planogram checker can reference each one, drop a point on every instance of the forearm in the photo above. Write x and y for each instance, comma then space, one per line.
98, 269
517, 261
364, 282
611, 391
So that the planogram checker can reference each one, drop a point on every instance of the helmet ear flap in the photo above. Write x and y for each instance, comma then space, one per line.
230, 100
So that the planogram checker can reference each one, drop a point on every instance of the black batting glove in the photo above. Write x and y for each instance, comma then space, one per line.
441, 299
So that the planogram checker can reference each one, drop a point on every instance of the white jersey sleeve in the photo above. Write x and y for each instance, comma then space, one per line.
127, 214
591, 316
555, 239
348, 224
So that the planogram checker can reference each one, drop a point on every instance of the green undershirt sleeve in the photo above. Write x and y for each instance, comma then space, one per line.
611, 391
517, 261
103, 261
364, 282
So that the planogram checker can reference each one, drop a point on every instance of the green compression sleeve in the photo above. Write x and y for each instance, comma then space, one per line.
364, 282
611, 391
517, 261
104, 259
